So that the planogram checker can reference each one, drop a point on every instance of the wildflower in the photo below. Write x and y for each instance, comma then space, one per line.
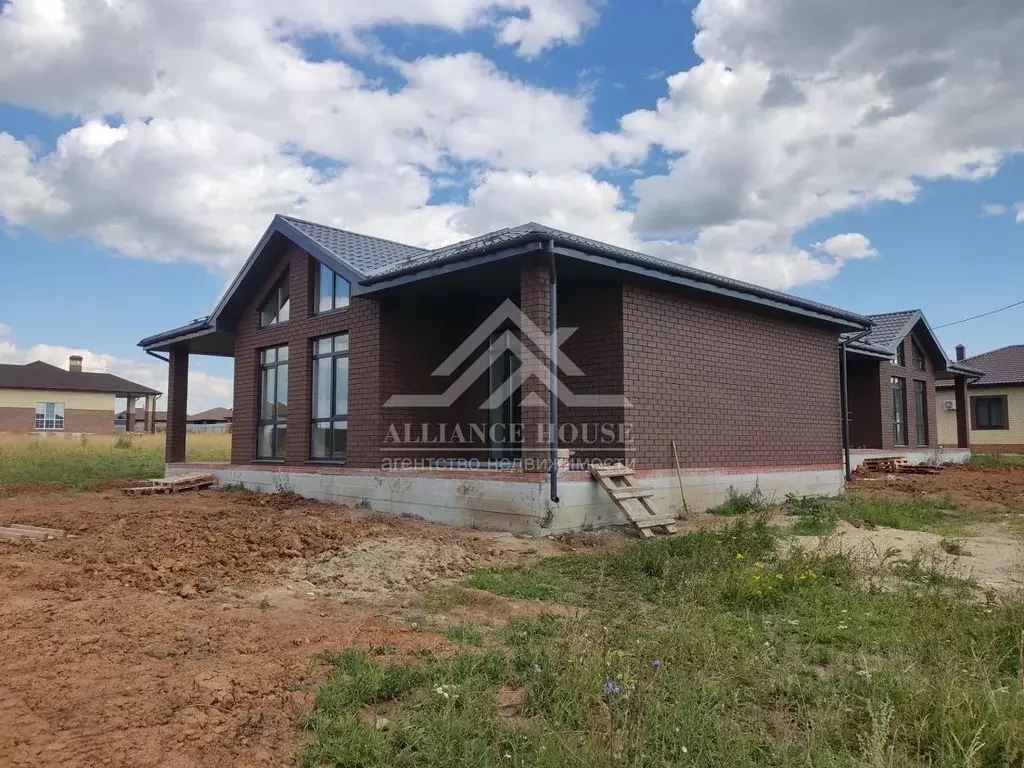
780, 577
611, 688
740, 556
656, 664
794, 622
841, 626
685, 750
758, 564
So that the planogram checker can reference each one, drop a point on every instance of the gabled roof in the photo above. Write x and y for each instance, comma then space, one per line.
40, 375
212, 414
888, 329
372, 264
1000, 366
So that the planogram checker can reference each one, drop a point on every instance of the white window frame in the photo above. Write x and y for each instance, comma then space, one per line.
49, 422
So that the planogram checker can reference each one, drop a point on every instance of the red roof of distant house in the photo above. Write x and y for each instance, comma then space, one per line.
1000, 366
213, 414
40, 375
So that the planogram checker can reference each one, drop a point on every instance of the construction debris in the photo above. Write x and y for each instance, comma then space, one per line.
617, 480
897, 464
18, 531
173, 484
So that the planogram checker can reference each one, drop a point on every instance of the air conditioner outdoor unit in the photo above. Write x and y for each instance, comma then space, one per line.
949, 405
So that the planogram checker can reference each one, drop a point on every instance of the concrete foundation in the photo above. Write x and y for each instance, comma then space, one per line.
916, 456
514, 501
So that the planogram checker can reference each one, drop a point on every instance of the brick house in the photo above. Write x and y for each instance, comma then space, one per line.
42, 398
994, 400
891, 372
405, 379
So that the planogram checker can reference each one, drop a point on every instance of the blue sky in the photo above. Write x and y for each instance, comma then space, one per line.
856, 156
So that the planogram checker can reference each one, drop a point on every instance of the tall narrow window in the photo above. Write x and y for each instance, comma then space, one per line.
273, 419
277, 308
50, 416
898, 358
918, 355
330, 398
921, 409
899, 411
330, 291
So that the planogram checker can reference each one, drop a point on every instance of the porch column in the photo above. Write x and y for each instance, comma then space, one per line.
177, 399
150, 414
963, 435
534, 298
129, 415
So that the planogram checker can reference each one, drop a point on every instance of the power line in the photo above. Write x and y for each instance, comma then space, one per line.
984, 314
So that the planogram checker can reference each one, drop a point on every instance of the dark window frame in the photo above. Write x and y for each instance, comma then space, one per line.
898, 357
977, 400
899, 410
338, 302
917, 356
279, 421
921, 411
281, 296
339, 348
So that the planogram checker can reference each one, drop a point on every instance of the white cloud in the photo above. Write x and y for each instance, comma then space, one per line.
201, 120
851, 245
204, 391
993, 209
1019, 208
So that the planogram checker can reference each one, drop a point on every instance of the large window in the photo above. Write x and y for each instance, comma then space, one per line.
330, 290
918, 355
330, 398
50, 416
277, 308
921, 411
989, 412
273, 403
899, 411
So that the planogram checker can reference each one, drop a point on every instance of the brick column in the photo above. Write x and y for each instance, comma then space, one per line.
177, 399
963, 435
365, 394
534, 298
129, 415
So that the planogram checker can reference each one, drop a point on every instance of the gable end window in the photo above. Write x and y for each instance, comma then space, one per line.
989, 412
898, 358
277, 308
273, 419
50, 416
329, 439
330, 290
918, 356
899, 411
921, 411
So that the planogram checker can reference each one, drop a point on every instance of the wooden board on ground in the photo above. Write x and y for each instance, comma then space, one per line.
18, 531
633, 500
173, 484
884, 464
920, 469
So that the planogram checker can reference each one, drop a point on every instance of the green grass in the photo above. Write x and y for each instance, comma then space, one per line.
996, 460
81, 462
815, 515
737, 503
906, 514
709, 649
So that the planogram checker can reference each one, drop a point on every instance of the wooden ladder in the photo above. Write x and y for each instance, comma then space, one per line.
633, 500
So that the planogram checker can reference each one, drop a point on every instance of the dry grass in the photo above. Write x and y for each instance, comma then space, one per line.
84, 461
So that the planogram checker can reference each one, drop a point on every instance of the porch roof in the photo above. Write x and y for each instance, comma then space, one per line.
374, 264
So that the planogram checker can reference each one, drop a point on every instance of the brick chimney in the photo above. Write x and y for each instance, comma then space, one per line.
961, 352
75, 363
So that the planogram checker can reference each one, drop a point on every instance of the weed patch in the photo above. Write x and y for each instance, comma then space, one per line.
737, 503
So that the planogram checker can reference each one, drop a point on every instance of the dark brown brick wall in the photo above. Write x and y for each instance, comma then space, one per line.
23, 420
534, 301
177, 402
732, 387
871, 398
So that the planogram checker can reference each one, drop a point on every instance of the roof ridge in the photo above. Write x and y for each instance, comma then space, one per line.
286, 217
993, 351
893, 314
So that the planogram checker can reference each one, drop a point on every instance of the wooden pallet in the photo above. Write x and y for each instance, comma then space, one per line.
885, 464
173, 484
18, 531
920, 469
633, 500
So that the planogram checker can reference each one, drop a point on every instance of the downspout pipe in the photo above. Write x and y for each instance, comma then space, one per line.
844, 398
549, 246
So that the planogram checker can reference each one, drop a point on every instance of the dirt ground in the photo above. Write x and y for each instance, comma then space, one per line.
179, 630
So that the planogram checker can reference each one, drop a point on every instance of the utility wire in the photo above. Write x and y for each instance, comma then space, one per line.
984, 314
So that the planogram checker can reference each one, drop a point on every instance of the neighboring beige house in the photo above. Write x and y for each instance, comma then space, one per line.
42, 398
995, 401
